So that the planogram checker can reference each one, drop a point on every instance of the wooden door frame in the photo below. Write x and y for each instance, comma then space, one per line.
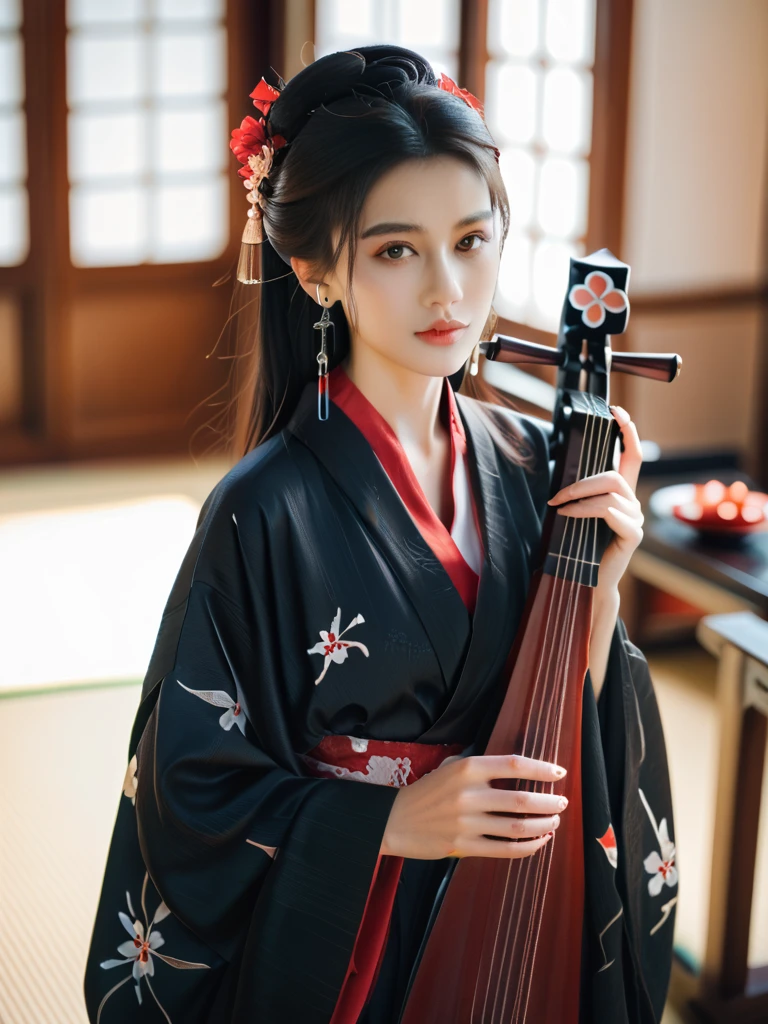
45, 285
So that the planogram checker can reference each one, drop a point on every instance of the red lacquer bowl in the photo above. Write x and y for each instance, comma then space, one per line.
715, 507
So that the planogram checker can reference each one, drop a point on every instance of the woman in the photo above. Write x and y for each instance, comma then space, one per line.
350, 599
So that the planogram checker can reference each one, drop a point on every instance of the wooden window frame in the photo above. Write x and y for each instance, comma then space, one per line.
607, 157
45, 284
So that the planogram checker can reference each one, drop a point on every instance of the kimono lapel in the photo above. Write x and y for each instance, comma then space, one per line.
348, 457
503, 583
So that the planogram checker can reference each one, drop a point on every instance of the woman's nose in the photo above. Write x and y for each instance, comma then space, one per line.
443, 287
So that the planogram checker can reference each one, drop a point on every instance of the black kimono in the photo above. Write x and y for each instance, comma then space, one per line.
236, 882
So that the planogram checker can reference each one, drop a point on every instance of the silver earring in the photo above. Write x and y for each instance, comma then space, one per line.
322, 359
475, 359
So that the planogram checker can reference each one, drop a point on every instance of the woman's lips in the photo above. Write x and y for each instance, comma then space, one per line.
441, 337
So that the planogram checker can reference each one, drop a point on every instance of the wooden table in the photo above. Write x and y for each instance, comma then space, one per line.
718, 578
728, 991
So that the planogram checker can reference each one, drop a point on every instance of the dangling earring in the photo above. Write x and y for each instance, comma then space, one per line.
322, 360
474, 360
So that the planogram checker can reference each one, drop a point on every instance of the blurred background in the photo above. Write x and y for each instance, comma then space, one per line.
639, 125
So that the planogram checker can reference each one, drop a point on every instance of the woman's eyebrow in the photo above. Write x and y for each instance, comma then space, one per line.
392, 227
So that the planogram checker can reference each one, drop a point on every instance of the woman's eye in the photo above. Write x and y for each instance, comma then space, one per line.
401, 247
480, 238
395, 248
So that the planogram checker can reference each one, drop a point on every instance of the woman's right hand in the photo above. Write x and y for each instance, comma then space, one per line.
451, 810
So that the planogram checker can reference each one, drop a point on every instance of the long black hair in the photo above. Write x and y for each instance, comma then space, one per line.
348, 118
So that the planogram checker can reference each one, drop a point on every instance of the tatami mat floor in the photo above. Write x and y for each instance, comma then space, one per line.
63, 752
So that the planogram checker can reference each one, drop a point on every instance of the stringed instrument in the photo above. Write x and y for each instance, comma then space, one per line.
505, 945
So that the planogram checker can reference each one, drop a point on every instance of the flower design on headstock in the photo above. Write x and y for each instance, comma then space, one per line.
596, 297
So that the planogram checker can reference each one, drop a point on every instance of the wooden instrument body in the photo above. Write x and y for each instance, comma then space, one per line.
473, 974
506, 943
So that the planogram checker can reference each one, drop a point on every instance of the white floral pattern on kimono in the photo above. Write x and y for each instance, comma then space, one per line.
332, 646
131, 782
660, 863
140, 949
221, 699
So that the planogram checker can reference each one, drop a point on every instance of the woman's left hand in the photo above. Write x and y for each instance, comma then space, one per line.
611, 496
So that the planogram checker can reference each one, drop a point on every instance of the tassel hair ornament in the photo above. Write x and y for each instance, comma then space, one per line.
254, 145
248, 264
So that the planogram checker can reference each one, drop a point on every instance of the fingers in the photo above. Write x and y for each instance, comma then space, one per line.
508, 828
599, 504
501, 849
599, 483
632, 457
626, 528
484, 767
515, 801
623, 480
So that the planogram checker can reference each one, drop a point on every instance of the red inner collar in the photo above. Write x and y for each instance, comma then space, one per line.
391, 454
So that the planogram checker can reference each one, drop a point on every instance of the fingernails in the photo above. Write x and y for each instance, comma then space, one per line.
559, 772
562, 803
556, 821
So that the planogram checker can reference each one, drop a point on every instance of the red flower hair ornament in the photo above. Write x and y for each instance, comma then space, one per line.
448, 85
254, 145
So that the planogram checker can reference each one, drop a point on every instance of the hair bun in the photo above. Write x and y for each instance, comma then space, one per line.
369, 69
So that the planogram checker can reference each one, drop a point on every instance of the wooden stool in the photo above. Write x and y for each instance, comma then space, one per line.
728, 991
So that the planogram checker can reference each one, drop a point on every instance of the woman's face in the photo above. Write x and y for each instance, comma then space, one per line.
428, 250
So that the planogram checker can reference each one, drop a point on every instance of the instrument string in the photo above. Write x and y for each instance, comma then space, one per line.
572, 566
596, 461
524, 871
599, 462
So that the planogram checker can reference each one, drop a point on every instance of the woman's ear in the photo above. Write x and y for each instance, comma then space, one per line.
307, 279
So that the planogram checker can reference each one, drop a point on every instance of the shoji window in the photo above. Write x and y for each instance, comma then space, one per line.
534, 74
147, 131
431, 27
538, 105
14, 209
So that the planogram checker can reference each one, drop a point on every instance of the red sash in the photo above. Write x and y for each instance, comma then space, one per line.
383, 763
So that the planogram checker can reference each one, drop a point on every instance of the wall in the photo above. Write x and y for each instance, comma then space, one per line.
695, 217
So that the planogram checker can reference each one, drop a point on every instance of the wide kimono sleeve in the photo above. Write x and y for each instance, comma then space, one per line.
256, 875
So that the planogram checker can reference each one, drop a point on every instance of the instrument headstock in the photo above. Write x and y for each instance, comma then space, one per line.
596, 306
584, 435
